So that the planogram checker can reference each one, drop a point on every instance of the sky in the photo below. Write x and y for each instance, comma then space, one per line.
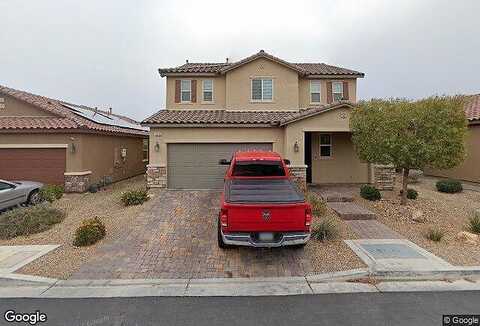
106, 53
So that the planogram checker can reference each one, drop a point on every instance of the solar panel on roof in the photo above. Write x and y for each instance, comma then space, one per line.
103, 118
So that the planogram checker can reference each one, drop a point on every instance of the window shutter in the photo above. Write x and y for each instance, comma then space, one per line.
345, 90
194, 91
177, 91
329, 92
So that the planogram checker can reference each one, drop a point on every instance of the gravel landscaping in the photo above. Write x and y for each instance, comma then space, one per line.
65, 260
333, 255
446, 212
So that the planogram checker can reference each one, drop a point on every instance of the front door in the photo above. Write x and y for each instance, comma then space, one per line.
308, 155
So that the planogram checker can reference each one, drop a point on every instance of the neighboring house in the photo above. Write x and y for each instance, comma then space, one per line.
56, 142
300, 110
469, 170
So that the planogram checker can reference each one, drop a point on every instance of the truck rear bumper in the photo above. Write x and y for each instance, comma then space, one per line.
249, 239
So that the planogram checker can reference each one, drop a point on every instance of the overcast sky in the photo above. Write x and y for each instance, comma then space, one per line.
106, 53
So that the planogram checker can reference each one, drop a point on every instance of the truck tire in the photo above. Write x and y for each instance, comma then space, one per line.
221, 244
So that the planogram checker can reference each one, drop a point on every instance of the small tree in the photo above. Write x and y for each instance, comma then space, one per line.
410, 135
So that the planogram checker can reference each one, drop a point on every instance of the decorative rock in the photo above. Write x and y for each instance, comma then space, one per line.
298, 173
418, 216
468, 237
477, 213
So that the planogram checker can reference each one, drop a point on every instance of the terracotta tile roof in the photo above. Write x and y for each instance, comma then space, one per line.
260, 117
302, 68
66, 117
472, 108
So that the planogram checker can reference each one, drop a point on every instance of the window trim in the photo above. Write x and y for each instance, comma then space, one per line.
262, 78
320, 145
181, 91
203, 92
319, 92
341, 87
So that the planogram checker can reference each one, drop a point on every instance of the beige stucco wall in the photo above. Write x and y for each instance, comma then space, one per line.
304, 91
469, 170
163, 136
343, 166
14, 107
285, 86
218, 94
102, 156
94, 153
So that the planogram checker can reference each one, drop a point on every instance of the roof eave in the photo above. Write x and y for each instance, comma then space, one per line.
186, 74
210, 125
335, 76
332, 106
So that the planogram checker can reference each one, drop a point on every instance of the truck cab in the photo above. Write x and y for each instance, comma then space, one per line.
260, 205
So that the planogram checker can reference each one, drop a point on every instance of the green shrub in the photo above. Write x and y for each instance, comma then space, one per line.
370, 192
449, 186
326, 229
134, 197
29, 220
435, 235
93, 188
51, 193
474, 224
412, 194
318, 204
91, 231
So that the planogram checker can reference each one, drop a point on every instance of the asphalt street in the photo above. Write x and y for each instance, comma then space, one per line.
328, 309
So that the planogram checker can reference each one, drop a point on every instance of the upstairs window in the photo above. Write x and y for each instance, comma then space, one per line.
208, 90
186, 90
262, 89
314, 91
337, 91
325, 145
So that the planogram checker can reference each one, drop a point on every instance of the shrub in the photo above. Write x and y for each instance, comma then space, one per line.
370, 192
134, 197
435, 235
317, 203
51, 193
412, 194
326, 229
29, 220
449, 186
91, 231
474, 224
93, 188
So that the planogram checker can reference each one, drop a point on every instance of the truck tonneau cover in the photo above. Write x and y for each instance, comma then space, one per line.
262, 191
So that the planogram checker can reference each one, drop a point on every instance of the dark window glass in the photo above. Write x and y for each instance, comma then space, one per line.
325, 151
4, 186
258, 169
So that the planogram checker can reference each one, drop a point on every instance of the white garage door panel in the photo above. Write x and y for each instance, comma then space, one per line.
195, 166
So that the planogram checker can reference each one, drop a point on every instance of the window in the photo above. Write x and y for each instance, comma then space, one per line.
258, 169
337, 91
208, 90
186, 90
262, 89
5, 186
145, 149
325, 145
314, 91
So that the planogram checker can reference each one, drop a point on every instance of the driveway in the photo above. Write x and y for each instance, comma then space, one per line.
176, 237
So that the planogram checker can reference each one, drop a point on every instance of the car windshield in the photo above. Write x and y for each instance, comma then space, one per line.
258, 169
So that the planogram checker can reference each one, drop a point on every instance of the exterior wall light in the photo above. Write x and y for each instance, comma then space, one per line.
73, 148
157, 147
296, 147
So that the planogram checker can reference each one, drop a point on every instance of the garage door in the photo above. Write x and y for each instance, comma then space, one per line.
195, 166
45, 165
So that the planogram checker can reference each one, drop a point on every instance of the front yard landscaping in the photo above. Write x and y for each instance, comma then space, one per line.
65, 260
435, 215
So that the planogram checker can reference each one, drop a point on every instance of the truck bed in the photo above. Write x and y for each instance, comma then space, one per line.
262, 191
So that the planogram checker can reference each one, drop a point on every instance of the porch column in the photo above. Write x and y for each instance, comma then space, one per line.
295, 152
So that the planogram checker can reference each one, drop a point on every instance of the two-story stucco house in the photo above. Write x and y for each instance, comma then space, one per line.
300, 110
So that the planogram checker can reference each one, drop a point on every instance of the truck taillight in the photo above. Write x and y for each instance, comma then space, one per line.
224, 217
308, 216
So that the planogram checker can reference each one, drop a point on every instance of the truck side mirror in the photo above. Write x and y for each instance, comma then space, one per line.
287, 162
224, 162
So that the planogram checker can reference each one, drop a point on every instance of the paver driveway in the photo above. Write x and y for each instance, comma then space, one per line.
176, 238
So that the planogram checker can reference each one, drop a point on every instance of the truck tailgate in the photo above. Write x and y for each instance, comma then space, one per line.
279, 217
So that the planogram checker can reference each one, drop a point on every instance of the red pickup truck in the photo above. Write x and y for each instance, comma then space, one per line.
260, 205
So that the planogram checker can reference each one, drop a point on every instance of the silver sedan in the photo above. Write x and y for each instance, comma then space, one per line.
14, 193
